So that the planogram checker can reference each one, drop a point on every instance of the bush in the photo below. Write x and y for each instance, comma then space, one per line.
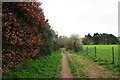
22, 24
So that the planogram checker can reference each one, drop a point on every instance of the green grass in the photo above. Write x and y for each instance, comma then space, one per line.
103, 51
41, 67
75, 67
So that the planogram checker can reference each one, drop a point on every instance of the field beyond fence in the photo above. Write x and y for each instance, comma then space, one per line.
104, 52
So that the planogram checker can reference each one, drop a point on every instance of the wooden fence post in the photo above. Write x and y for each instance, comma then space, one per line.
95, 51
112, 55
119, 54
87, 50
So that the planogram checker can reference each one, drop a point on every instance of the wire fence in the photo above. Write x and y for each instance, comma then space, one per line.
109, 53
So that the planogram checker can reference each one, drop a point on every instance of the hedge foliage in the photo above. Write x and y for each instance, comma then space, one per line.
25, 32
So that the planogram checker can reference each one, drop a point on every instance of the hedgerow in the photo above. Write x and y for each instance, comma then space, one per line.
25, 32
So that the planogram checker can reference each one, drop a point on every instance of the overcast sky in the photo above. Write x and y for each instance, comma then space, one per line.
82, 16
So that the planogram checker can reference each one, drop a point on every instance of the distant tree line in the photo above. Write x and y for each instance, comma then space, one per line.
102, 38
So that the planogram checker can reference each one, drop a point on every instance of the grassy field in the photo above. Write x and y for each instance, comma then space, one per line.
41, 67
103, 51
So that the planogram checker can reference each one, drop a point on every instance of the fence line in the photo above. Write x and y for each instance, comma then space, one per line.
95, 53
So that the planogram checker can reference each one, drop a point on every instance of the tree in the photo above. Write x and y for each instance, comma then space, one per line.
96, 38
75, 42
62, 41
46, 40
87, 40
108, 39
56, 44
113, 39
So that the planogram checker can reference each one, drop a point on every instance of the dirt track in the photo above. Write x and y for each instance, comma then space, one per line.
66, 73
88, 67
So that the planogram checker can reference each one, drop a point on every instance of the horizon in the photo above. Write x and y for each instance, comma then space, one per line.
87, 34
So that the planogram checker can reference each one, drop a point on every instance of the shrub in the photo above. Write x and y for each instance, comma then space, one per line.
21, 28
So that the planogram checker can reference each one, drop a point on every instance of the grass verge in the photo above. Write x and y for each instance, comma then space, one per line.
41, 67
76, 67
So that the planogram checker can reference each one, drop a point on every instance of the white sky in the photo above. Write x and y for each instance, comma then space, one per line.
82, 16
